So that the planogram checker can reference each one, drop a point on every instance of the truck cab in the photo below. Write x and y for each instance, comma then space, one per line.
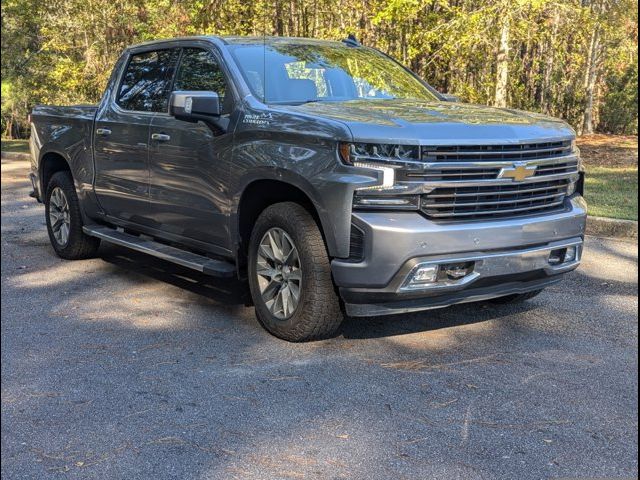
327, 175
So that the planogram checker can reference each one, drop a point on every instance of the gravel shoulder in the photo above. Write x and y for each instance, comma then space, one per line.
128, 367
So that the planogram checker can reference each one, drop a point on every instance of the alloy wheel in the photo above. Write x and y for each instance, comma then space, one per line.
59, 216
279, 273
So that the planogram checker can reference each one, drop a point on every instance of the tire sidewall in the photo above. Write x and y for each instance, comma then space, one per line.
63, 181
264, 224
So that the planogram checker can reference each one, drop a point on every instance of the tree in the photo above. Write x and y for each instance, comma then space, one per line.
567, 58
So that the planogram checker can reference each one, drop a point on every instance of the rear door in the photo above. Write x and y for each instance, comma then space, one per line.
188, 162
121, 136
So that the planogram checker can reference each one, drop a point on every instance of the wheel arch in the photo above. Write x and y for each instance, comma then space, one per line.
50, 163
258, 195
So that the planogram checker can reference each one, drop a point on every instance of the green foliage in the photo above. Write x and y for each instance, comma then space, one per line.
62, 51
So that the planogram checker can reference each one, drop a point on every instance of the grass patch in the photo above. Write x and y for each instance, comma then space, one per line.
15, 146
612, 192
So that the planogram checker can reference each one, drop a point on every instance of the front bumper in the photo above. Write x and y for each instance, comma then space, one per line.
509, 256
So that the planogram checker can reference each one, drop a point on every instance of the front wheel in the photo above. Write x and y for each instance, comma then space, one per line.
290, 275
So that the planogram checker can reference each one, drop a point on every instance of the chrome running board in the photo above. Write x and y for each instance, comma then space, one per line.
206, 265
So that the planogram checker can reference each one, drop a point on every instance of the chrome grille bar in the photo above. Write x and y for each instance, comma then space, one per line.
557, 150
542, 162
433, 185
476, 194
498, 202
500, 212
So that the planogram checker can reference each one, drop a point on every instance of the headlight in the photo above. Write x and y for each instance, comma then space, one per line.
385, 158
353, 152
388, 175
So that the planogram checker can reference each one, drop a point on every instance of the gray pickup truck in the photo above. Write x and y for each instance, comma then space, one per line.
325, 173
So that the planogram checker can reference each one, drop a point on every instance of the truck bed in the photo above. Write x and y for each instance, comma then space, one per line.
66, 131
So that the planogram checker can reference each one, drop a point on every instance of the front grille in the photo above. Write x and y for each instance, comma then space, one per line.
483, 181
485, 162
494, 201
518, 152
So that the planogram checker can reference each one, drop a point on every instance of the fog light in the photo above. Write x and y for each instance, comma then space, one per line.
425, 274
561, 256
421, 275
556, 257
571, 255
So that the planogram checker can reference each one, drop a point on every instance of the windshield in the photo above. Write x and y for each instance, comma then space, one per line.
301, 73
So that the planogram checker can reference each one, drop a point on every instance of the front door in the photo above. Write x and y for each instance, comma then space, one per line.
121, 136
188, 162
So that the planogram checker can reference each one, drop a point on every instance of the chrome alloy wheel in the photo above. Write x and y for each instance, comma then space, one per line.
59, 216
279, 273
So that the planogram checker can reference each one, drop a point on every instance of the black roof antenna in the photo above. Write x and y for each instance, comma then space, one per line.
351, 41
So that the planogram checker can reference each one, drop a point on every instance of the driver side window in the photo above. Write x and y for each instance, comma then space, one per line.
146, 82
199, 71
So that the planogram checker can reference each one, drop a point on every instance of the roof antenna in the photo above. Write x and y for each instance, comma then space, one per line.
351, 41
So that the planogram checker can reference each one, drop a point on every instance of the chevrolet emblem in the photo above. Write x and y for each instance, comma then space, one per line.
519, 172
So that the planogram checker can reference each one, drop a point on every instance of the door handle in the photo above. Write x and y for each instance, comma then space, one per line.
103, 132
160, 137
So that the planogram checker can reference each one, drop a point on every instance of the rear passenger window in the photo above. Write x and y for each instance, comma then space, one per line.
199, 71
146, 83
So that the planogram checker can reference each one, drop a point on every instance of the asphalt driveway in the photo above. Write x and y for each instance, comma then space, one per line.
128, 367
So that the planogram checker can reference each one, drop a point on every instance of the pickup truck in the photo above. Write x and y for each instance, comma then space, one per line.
327, 175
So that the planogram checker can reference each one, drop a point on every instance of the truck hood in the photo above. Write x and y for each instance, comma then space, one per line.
433, 123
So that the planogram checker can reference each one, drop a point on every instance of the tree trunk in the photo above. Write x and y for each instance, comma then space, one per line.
545, 98
279, 22
591, 78
502, 74
8, 133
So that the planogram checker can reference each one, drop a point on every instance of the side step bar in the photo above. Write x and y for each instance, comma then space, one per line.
208, 266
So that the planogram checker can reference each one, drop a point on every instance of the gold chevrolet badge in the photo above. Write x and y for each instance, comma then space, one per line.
519, 172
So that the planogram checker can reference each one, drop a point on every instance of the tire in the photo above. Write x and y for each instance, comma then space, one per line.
61, 203
317, 313
516, 298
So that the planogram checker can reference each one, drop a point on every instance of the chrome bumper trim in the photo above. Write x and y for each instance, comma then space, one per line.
502, 263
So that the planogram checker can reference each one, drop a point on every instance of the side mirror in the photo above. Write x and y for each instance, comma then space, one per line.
194, 106
448, 97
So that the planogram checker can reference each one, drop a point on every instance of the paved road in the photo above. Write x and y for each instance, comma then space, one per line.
127, 367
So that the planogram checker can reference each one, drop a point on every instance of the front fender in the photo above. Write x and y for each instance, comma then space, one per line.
316, 171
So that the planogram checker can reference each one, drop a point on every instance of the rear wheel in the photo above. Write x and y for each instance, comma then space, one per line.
290, 275
516, 298
64, 220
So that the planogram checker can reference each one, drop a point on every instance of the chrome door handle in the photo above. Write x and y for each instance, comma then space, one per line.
103, 132
160, 137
